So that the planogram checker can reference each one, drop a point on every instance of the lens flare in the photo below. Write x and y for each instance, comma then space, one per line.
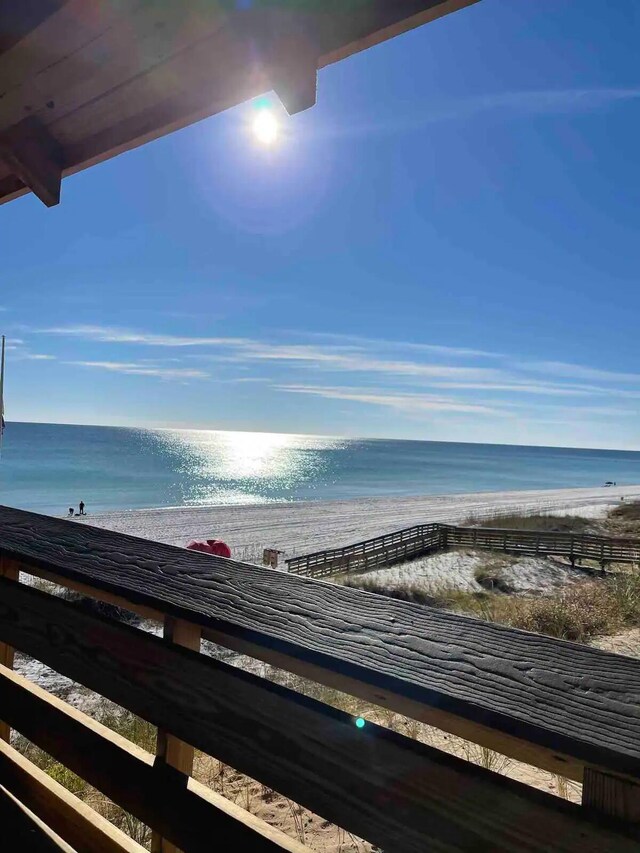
265, 127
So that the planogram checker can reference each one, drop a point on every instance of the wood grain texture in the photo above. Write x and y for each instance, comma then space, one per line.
76, 823
546, 759
395, 792
130, 777
563, 697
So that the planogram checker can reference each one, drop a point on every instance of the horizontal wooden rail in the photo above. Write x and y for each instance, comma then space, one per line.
337, 679
131, 777
78, 824
392, 790
529, 698
561, 706
573, 545
25, 830
425, 538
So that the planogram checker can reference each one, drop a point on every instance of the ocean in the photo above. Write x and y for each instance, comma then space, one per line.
50, 467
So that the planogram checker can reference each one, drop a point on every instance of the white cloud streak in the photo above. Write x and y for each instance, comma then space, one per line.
246, 350
503, 106
110, 334
411, 403
371, 359
542, 101
578, 371
134, 369
384, 343
335, 359
36, 356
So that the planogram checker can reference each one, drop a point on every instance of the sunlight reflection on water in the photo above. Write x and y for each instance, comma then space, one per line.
242, 467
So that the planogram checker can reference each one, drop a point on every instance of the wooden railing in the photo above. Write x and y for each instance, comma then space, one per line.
602, 549
372, 553
424, 538
558, 706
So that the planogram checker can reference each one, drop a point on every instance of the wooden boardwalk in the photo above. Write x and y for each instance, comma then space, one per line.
423, 539
563, 707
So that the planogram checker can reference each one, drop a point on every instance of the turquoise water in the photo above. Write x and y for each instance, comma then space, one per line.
49, 467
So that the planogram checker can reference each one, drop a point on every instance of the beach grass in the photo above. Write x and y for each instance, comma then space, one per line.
578, 613
535, 521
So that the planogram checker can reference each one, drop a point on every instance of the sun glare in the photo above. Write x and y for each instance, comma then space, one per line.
265, 127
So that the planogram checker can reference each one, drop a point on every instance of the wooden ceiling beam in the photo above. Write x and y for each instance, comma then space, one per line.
292, 69
285, 45
35, 158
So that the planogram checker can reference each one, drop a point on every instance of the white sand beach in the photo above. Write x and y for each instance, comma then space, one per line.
297, 528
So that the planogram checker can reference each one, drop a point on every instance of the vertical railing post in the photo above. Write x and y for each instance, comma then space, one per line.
170, 750
611, 795
8, 569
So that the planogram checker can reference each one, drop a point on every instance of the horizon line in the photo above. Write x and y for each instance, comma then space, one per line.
327, 435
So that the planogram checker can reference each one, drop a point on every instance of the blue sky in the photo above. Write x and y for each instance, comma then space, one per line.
445, 247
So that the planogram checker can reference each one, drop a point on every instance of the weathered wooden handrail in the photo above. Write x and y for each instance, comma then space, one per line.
560, 706
425, 538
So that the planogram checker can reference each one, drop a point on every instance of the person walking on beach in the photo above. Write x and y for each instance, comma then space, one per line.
81, 508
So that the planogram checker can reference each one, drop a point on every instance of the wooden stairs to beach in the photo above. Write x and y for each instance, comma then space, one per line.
566, 708
422, 539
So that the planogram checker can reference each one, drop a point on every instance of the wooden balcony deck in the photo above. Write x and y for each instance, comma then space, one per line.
559, 706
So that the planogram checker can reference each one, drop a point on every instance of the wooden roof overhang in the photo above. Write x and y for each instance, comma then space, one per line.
84, 80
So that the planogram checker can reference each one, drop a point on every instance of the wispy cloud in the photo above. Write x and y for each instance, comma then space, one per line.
340, 360
550, 389
134, 369
542, 101
411, 403
20, 352
423, 374
247, 350
385, 343
36, 356
578, 371
110, 334
503, 106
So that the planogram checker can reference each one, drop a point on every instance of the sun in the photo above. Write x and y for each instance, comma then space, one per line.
265, 127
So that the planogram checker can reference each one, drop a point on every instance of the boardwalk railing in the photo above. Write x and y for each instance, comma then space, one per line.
381, 551
568, 709
425, 538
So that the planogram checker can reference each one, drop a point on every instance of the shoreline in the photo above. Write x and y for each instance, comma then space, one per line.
305, 526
